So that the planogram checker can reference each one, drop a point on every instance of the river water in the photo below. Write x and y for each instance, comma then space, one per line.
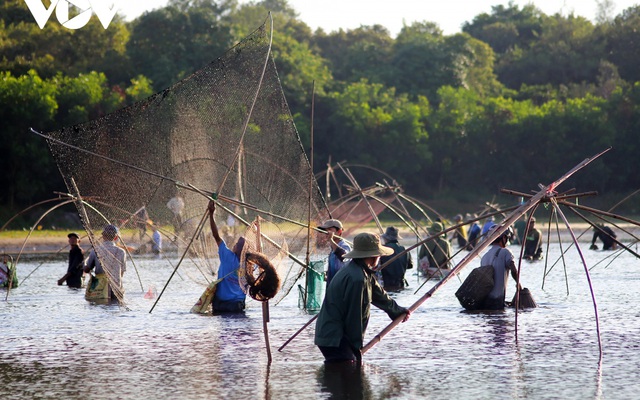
54, 344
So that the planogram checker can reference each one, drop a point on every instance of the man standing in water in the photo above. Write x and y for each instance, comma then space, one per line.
73, 277
228, 297
502, 261
606, 235
344, 315
533, 242
339, 247
114, 260
393, 274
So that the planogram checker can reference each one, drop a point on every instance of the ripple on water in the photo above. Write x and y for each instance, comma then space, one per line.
53, 344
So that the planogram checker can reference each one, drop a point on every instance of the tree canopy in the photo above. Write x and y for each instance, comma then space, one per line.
509, 102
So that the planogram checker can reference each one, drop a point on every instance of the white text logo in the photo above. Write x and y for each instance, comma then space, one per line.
85, 7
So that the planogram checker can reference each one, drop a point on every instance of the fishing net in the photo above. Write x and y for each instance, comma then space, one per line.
310, 297
263, 264
225, 132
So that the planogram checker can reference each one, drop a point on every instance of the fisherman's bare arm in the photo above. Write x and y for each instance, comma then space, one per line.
214, 228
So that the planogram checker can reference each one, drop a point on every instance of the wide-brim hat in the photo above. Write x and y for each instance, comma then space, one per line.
331, 223
368, 245
436, 228
391, 234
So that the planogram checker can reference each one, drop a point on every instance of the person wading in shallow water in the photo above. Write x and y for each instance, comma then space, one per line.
339, 247
73, 277
393, 274
229, 297
503, 263
606, 235
114, 258
344, 315
533, 242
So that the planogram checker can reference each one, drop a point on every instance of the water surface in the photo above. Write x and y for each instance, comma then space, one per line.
54, 344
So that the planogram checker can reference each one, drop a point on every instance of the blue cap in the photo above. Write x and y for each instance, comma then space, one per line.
110, 231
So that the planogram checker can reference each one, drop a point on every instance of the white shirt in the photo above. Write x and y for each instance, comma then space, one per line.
114, 261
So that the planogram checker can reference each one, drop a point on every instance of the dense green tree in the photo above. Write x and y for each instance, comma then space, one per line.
27, 168
363, 52
170, 43
473, 64
566, 52
421, 62
567, 132
492, 147
623, 111
246, 18
298, 66
623, 43
84, 98
139, 89
448, 128
507, 27
46, 105
372, 125
54, 48
570, 91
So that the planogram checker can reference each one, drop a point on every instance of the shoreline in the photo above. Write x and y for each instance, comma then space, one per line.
56, 241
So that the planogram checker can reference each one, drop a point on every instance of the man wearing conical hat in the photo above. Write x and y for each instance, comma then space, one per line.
344, 315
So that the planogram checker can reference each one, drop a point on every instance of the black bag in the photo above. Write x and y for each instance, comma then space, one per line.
476, 287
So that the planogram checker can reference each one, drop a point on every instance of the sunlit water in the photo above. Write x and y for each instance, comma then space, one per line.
54, 344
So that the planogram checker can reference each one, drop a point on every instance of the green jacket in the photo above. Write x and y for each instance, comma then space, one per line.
438, 253
347, 305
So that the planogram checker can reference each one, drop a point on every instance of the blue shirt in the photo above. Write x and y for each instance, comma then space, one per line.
229, 288
474, 231
336, 260
487, 225
157, 241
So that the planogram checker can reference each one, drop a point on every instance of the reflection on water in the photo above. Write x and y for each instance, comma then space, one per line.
344, 381
53, 344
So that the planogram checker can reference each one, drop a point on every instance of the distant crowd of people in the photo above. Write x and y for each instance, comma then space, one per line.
358, 275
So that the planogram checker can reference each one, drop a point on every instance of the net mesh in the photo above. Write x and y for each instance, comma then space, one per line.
311, 297
226, 129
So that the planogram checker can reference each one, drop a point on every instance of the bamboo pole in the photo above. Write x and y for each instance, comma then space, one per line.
186, 250
546, 192
389, 261
307, 260
265, 304
586, 271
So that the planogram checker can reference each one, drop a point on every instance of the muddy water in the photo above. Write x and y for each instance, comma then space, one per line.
54, 344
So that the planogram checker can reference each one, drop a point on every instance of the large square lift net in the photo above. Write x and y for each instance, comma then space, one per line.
224, 132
